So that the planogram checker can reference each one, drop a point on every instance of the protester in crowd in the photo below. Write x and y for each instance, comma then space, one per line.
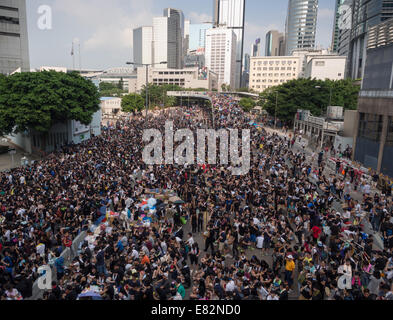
283, 207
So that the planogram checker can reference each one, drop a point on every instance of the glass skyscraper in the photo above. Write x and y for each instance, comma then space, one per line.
366, 14
300, 27
175, 37
336, 28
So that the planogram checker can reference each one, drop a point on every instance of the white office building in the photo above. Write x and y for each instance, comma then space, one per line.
266, 72
160, 41
304, 54
143, 45
189, 78
326, 67
110, 106
14, 48
221, 55
231, 14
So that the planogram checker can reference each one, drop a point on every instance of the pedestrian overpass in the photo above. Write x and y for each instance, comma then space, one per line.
206, 96
186, 95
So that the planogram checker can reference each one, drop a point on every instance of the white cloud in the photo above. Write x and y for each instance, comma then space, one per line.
111, 22
196, 17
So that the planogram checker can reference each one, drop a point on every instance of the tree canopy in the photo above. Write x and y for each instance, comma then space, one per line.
132, 103
108, 89
38, 100
158, 94
247, 104
309, 94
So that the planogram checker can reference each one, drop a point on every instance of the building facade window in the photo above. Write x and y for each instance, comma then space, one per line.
370, 126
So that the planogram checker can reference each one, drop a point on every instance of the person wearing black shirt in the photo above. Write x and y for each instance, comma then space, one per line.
70, 293
209, 240
200, 219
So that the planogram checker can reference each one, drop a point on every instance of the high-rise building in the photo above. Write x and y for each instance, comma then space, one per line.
365, 14
273, 41
143, 45
231, 14
300, 26
373, 140
256, 48
344, 24
246, 71
247, 62
14, 48
175, 37
198, 36
336, 27
281, 45
186, 40
221, 54
160, 41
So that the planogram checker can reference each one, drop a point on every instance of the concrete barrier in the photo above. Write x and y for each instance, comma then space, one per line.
68, 254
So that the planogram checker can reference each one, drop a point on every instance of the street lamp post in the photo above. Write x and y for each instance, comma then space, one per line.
147, 79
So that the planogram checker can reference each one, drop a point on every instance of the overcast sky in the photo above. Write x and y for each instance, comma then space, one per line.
104, 27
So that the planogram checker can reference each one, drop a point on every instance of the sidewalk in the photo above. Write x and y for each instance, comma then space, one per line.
6, 161
357, 195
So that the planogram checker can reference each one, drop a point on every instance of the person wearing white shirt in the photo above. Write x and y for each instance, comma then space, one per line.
135, 254
272, 296
90, 240
164, 247
190, 241
260, 241
230, 286
367, 188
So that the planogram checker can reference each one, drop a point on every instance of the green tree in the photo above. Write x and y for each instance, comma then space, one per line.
38, 100
309, 94
170, 101
7, 121
225, 87
247, 104
158, 94
105, 86
120, 85
132, 103
108, 89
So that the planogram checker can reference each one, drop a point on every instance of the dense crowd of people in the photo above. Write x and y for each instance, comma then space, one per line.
287, 229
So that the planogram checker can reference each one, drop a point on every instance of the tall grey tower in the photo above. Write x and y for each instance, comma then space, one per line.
301, 23
231, 14
14, 47
175, 37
